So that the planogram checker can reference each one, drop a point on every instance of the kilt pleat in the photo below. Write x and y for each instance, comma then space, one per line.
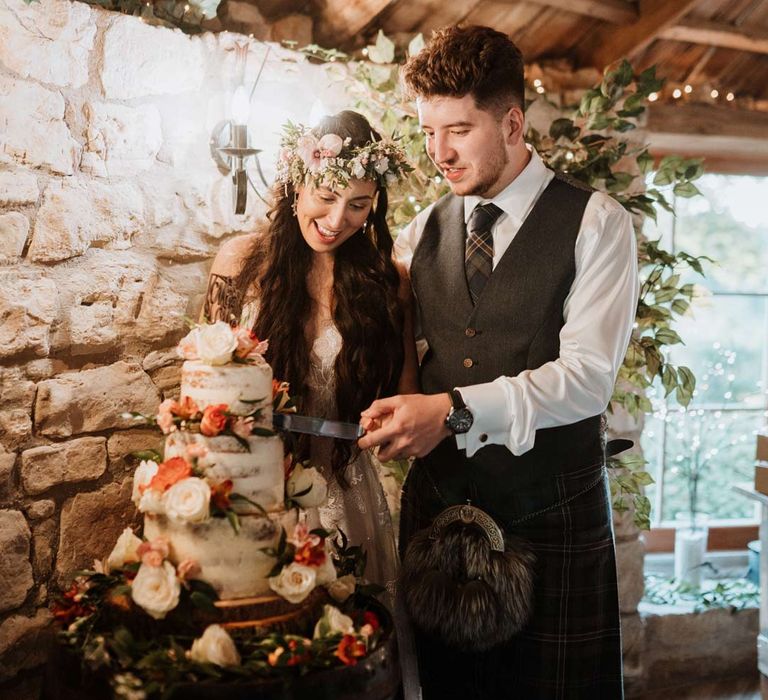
571, 647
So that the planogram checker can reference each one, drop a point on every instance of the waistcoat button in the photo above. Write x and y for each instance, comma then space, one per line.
470, 332
468, 362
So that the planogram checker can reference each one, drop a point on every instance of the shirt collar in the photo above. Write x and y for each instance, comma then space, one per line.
516, 198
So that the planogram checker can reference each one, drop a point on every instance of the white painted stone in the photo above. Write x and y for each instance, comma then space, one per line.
14, 228
47, 466
77, 213
48, 40
91, 328
18, 187
163, 61
32, 127
15, 568
121, 140
28, 307
93, 400
163, 312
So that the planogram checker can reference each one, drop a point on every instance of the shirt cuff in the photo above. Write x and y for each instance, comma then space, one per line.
492, 423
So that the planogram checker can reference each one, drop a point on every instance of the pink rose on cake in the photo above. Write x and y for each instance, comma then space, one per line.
294, 582
215, 647
156, 589
214, 420
188, 501
155, 552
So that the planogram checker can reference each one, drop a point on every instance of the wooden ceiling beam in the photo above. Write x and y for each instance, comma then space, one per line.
614, 11
340, 20
718, 34
609, 44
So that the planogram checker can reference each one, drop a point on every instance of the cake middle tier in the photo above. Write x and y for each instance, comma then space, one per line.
236, 565
256, 471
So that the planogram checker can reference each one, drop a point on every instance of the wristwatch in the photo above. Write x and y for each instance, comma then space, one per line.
459, 419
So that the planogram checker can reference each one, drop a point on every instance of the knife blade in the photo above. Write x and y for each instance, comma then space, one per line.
317, 426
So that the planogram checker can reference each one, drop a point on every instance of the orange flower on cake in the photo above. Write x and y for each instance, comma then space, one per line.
215, 647
350, 649
214, 420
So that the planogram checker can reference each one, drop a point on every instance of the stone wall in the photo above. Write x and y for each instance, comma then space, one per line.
110, 210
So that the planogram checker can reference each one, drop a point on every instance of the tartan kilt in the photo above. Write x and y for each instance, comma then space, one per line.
571, 647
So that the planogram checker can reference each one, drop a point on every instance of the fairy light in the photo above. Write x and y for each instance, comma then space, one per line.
688, 89
730, 97
365, 51
537, 83
677, 93
714, 94
540, 89
653, 97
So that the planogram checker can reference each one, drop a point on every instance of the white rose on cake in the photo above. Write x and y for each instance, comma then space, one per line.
215, 647
309, 484
294, 583
333, 621
152, 501
188, 500
144, 473
156, 589
342, 588
125, 550
212, 343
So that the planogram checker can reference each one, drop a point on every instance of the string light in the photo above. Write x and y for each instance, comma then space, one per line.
677, 94
730, 97
688, 89
540, 90
714, 94
653, 97
537, 83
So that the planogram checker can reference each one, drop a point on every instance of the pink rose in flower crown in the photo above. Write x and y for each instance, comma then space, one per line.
214, 420
155, 552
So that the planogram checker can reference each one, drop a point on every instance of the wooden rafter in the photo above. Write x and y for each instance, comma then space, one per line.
717, 34
609, 44
340, 20
614, 11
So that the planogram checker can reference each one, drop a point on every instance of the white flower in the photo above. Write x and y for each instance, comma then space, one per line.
333, 621
156, 589
357, 168
141, 477
309, 484
326, 572
381, 165
188, 500
152, 502
215, 647
124, 550
294, 583
214, 343
342, 588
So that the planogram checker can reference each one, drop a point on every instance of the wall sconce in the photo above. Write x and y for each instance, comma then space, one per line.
230, 146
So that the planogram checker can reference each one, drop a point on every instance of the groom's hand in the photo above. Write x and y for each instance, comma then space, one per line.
403, 426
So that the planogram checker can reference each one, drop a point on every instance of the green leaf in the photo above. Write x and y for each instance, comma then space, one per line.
416, 44
666, 336
564, 127
383, 51
623, 74
686, 189
643, 478
202, 601
234, 521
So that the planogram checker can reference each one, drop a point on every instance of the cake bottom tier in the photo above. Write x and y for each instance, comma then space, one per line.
235, 564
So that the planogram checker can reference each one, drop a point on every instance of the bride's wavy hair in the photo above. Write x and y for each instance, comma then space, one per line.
366, 310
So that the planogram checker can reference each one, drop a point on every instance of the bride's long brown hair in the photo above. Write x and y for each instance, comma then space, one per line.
365, 311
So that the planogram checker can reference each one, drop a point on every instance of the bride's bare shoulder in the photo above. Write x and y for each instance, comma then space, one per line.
232, 253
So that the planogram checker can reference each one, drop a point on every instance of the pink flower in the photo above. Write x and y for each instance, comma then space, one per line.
188, 569
165, 416
330, 145
196, 450
242, 427
153, 553
248, 345
214, 420
307, 149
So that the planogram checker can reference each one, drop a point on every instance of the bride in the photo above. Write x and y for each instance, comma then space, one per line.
319, 282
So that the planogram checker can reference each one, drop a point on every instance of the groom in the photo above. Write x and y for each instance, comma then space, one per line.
526, 287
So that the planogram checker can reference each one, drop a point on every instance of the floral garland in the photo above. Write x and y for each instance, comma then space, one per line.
330, 161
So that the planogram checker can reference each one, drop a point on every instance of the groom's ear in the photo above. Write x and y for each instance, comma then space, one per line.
514, 125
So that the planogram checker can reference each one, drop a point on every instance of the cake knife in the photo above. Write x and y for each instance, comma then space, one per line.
317, 426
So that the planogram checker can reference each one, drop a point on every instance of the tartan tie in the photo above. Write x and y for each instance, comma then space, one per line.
478, 256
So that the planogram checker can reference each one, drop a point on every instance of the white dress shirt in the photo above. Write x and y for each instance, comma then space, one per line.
599, 312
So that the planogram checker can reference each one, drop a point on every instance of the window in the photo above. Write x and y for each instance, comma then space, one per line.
697, 454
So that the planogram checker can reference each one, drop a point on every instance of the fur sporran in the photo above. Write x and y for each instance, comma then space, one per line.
465, 582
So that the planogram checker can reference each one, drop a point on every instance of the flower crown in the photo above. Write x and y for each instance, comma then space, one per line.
330, 161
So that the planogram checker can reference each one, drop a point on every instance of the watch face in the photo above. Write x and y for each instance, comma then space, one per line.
460, 420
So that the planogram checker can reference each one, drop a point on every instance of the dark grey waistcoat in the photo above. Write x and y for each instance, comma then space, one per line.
514, 326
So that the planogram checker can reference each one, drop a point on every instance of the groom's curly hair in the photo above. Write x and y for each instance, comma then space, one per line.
472, 60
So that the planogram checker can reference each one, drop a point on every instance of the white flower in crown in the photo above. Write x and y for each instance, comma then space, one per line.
294, 582
156, 589
141, 478
125, 550
215, 647
188, 501
307, 487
